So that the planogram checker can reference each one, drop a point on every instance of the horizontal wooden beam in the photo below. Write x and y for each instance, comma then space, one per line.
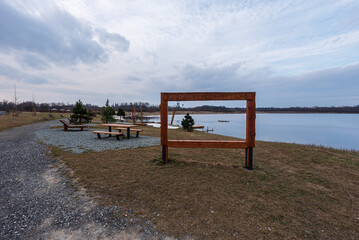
207, 144
208, 96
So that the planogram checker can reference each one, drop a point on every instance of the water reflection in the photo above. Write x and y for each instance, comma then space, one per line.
332, 130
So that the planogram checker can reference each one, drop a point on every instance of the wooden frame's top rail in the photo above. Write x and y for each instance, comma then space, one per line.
208, 96
118, 125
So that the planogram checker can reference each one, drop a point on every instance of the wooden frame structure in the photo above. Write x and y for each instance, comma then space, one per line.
248, 144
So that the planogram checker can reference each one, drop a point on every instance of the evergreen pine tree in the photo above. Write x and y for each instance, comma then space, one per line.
80, 114
107, 113
187, 123
121, 113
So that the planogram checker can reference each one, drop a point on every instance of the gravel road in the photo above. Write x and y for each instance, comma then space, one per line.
37, 201
81, 141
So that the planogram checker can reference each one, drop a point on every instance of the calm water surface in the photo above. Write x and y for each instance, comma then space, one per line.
332, 130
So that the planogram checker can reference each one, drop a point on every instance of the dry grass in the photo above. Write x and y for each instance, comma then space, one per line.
294, 191
10, 121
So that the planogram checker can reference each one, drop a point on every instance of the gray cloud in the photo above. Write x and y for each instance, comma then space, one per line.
113, 40
59, 37
207, 79
14, 74
333, 79
131, 79
329, 87
33, 61
73, 94
335, 86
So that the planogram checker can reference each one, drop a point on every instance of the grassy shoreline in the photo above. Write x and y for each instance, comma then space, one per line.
294, 191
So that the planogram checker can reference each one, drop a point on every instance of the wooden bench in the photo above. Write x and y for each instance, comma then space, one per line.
137, 130
117, 134
141, 124
67, 125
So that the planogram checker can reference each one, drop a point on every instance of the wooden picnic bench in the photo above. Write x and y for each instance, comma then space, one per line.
68, 125
117, 134
141, 124
137, 130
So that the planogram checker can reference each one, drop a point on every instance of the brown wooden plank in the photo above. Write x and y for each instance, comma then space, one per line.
164, 120
251, 123
113, 133
118, 125
141, 124
207, 144
208, 96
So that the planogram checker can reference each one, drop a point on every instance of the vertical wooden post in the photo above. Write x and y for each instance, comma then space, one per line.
173, 116
134, 115
251, 123
165, 154
141, 113
249, 158
164, 127
250, 131
246, 158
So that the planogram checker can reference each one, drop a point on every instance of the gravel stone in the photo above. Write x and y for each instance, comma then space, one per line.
81, 141
38, 201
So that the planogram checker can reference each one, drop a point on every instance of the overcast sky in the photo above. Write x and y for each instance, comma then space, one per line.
292, 53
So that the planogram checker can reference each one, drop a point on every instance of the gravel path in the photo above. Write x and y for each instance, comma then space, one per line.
80, 141
37, 201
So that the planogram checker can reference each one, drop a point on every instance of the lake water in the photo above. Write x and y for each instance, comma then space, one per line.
332, 130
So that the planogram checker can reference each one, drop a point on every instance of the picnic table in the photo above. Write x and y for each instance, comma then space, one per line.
115, 125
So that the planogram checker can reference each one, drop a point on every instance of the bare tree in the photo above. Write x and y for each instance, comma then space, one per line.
33, 105
15, 114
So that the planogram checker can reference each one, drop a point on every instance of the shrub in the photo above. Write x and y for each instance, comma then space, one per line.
187, 123
91, 113
121, 113
107, 113
79, 114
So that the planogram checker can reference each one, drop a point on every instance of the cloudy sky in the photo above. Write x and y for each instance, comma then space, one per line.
292, 53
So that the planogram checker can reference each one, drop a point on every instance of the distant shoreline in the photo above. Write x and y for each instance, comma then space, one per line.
258, 112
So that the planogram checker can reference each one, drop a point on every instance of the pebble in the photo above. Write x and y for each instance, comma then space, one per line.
82, 141
34, 206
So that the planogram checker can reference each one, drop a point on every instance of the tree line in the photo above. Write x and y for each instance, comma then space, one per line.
315, 109
29, 106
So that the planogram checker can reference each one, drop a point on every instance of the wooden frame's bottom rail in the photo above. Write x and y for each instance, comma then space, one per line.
207, 144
